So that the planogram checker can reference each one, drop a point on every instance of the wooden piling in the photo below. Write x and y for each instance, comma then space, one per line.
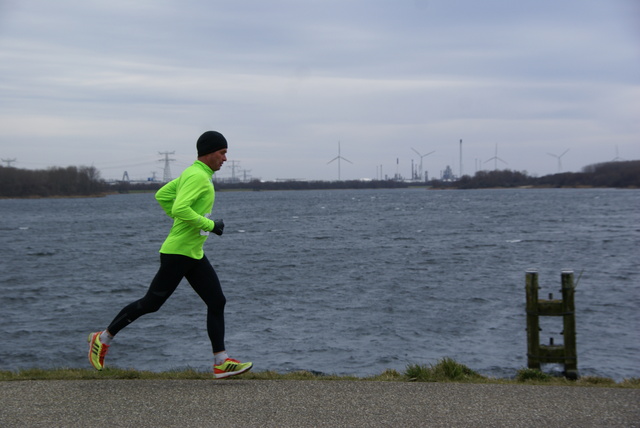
533, 322
566, 353
569, 324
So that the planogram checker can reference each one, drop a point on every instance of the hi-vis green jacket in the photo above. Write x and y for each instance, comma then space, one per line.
188, 200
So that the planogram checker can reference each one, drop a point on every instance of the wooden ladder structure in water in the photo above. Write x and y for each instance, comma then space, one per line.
541, 354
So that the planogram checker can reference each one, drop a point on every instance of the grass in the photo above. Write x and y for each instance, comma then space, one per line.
446, 370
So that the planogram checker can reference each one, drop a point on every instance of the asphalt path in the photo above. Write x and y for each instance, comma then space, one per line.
286, 403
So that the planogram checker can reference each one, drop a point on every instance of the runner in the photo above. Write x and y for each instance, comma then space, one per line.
188, 200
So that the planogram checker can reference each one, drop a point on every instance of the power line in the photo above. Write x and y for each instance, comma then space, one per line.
234, 164
9, 161
166, 176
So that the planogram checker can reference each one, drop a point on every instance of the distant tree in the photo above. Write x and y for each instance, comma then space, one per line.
56, 181
615, 174
491, 179
86, 181
609, 174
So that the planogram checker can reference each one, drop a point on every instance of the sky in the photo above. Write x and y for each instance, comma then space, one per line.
539, 86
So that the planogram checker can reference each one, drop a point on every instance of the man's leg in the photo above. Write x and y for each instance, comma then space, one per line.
169, 275
205, 282
172, 269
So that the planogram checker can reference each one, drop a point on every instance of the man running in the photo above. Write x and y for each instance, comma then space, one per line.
188, 200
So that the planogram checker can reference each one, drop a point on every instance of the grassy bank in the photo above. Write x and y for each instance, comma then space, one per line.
446, 370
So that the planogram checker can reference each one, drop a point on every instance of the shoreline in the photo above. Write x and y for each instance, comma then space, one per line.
239, 189
457, 373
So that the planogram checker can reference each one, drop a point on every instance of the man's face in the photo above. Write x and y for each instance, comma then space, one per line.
214, 160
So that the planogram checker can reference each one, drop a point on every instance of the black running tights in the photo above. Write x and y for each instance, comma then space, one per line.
203, 280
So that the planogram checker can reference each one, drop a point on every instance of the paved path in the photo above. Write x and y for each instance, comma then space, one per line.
261, 403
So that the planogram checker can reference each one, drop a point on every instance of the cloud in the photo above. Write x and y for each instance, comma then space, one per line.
104, 82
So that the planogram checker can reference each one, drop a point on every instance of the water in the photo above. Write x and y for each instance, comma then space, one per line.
346, 282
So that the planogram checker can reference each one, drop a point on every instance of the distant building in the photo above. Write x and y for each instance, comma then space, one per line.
447, 175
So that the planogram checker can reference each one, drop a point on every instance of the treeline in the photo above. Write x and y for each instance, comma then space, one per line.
312, 185
610, 174
56, 181
86, 181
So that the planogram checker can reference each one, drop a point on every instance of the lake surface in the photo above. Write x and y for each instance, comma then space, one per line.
342, 281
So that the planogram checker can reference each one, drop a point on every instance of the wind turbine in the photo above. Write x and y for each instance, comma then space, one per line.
495, 159
339, 158
421, 157
559, 159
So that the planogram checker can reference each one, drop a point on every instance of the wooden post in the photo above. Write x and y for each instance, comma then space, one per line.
569, 324
533, 324
538, 354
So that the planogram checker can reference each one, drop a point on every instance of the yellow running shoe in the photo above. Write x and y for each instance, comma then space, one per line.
97, 350
230, 367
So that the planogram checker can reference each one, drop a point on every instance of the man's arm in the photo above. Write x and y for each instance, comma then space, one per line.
189, 190
166, 196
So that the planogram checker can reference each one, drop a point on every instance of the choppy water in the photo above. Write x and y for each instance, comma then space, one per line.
346, 282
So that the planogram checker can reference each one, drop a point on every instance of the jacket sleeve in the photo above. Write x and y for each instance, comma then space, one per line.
187, 192
166, 196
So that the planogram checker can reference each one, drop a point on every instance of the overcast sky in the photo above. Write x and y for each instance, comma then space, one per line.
111, 84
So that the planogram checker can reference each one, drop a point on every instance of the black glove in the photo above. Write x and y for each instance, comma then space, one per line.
218, 227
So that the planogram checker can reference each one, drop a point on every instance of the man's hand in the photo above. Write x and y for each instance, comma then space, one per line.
218, 227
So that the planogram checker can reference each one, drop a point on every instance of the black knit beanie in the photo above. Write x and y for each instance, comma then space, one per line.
210, 141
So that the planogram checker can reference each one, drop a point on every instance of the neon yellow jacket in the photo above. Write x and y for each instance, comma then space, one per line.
188, 200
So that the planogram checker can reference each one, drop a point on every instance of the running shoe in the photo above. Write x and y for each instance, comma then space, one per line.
230, 367
97, 350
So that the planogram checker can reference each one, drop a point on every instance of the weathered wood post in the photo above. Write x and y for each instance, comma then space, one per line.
569, 325
566, 353
533, 323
